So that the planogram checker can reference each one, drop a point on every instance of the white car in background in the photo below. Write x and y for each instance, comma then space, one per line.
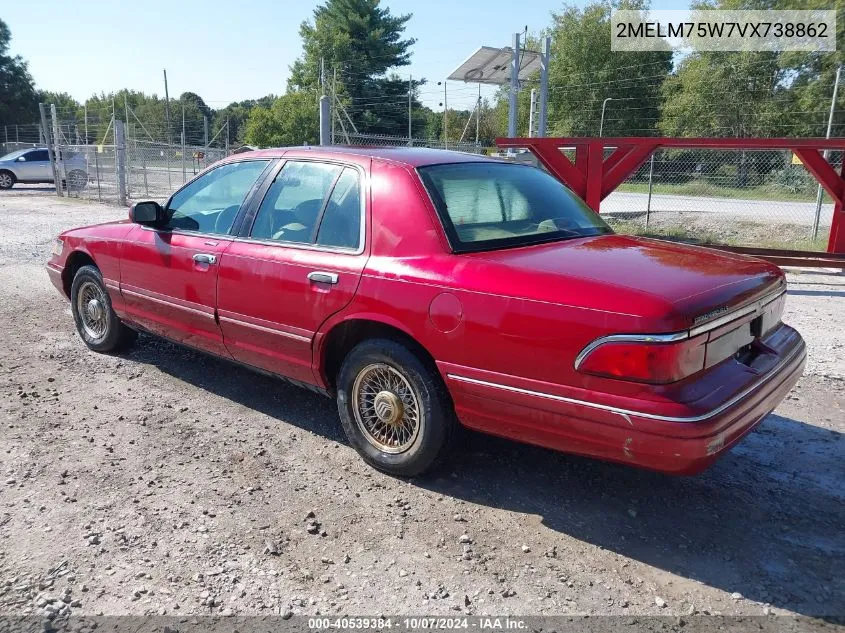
33, 166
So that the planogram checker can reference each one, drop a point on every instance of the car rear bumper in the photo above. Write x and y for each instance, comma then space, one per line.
679, 445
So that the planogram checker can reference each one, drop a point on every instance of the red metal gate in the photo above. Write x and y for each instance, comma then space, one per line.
593, 177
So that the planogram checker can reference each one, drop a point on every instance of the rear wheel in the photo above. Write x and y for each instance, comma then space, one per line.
394, 409
7, 179
98, 325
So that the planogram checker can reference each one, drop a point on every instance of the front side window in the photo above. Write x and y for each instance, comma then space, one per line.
312, 203
488, 205
211, 203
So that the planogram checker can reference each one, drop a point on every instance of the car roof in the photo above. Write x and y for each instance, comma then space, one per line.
411, 156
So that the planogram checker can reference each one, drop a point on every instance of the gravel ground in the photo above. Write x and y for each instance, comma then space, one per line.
166, 482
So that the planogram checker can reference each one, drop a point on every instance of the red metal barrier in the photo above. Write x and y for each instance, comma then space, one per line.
593, 177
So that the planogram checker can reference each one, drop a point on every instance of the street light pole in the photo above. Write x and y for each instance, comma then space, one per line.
603, 106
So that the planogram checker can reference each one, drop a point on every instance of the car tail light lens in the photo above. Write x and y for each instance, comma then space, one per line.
646, 361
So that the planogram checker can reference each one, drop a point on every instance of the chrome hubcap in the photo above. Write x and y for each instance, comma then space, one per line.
5, 180
90, 305
386, 408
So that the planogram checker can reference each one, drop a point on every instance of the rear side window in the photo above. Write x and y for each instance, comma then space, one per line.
312, 203
341, 223
292, 206
488, 205
39, 155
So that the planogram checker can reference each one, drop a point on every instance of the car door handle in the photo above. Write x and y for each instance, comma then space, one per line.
205, 258
323, 277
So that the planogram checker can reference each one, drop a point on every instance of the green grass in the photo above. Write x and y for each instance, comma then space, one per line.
742, 234
706, 189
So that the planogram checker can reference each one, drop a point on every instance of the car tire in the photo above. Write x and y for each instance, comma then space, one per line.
395, 409
98, 325
7, 179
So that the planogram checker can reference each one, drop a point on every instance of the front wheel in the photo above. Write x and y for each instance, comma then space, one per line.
98, 325
394, 409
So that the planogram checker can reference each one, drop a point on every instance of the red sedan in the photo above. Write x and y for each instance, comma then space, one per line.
425, 289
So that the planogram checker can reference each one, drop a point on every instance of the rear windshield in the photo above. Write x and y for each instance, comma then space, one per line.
496, 205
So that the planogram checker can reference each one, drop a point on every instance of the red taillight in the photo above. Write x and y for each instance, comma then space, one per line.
644, 361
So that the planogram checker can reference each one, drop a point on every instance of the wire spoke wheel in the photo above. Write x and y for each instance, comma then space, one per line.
91, 307
386, 408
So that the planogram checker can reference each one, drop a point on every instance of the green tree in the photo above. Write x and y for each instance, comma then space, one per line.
362, 41
292, 119
733, 94
67, 108
236, 114
18, 101
584, 72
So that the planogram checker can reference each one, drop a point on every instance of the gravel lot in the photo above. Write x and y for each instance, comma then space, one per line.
166, 482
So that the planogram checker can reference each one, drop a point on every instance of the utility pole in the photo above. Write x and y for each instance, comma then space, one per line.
478, 114
86, 122
227, 137
410, 91
514, 87
205, 132
167, 108
50, 154
826, 152
445, 116
545, 59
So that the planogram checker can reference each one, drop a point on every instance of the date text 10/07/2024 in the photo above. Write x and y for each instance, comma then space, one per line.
480, 623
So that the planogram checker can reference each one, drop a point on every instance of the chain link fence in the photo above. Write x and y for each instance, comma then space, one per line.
155, 170
379, 140
737, 197
150, 171
764, 199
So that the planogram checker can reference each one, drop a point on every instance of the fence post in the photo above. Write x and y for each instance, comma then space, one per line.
120, 159
650, 183
97, 167
324, 121
184, 173
50, 153
60, 163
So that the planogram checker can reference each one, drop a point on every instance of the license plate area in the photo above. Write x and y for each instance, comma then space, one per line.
737, 342
741, 339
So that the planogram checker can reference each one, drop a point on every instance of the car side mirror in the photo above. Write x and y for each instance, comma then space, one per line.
147, 213
20, 159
